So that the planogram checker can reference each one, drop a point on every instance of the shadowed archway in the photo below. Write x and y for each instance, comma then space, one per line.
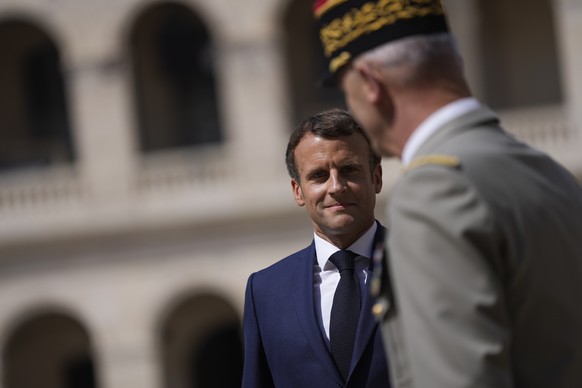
49, 350
201, 344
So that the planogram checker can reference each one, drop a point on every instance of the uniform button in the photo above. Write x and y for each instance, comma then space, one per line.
380, 309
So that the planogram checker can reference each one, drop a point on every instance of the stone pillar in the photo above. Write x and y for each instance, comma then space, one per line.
253, 91
97, 78
127, 357
464, 21
101, 118
568, 21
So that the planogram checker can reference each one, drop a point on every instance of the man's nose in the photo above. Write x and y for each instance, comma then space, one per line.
337, 183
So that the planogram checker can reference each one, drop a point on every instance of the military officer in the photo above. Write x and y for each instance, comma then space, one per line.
483, 278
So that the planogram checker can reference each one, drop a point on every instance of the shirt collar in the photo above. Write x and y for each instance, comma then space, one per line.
362, 246
434, 122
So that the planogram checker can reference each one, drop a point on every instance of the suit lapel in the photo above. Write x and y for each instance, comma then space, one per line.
305, 308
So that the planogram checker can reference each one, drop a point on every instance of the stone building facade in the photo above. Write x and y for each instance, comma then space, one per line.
142, 176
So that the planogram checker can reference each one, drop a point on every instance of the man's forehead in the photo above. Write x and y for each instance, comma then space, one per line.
335, 150
314, 140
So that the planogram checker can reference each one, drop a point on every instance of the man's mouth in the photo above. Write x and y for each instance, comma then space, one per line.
339, 205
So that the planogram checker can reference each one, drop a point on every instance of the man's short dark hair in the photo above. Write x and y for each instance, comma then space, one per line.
329, 124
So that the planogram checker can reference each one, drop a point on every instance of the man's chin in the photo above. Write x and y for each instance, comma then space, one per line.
342, 224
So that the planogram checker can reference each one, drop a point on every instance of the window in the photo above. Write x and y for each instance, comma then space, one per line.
306, 64
34, 122
173, 69
519, 53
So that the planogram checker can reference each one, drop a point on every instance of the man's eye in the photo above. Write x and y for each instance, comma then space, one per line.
317, 175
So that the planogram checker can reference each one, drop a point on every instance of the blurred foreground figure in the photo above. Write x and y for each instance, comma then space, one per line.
307, 319
482, 283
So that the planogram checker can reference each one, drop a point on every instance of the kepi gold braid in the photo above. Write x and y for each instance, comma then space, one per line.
371, 17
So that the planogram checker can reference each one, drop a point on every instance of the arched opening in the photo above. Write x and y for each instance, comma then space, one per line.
519, 52
218, 352
34, 122
306, 63
50, 351
173, 71
202, 345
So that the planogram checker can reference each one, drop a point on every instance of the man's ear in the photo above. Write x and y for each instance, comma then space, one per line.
297, 193
378, 178
373, 86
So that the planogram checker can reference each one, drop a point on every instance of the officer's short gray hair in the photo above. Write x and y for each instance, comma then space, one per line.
421, 54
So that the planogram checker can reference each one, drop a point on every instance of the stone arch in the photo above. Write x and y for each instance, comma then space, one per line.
34, 112
173, 68
48, 347
305, 62
200, 342
519, 50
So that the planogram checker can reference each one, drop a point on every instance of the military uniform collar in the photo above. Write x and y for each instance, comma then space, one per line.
435, 121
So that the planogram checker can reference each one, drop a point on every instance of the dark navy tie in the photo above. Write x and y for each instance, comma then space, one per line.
345, 311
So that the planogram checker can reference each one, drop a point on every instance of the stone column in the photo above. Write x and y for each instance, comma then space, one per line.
253, 91
568, 21
101, 118
464, 21
97, 75
127, 358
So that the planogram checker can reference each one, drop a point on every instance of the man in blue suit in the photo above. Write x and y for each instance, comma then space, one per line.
291, 307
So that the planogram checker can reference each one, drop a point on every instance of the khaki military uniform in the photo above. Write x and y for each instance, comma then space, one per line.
483, 282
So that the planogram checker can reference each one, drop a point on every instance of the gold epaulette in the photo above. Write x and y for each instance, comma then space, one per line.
441, 160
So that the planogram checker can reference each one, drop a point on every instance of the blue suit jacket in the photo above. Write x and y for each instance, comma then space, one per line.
284, 344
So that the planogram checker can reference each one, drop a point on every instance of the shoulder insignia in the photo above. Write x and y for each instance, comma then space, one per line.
441, 160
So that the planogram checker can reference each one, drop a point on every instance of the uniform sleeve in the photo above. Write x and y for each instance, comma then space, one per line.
256, 373
444, 248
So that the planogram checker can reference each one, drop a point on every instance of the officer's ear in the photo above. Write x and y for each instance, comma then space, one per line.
373, 87
297, 193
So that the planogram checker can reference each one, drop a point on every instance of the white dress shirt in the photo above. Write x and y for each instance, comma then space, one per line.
435, 121
326, 275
